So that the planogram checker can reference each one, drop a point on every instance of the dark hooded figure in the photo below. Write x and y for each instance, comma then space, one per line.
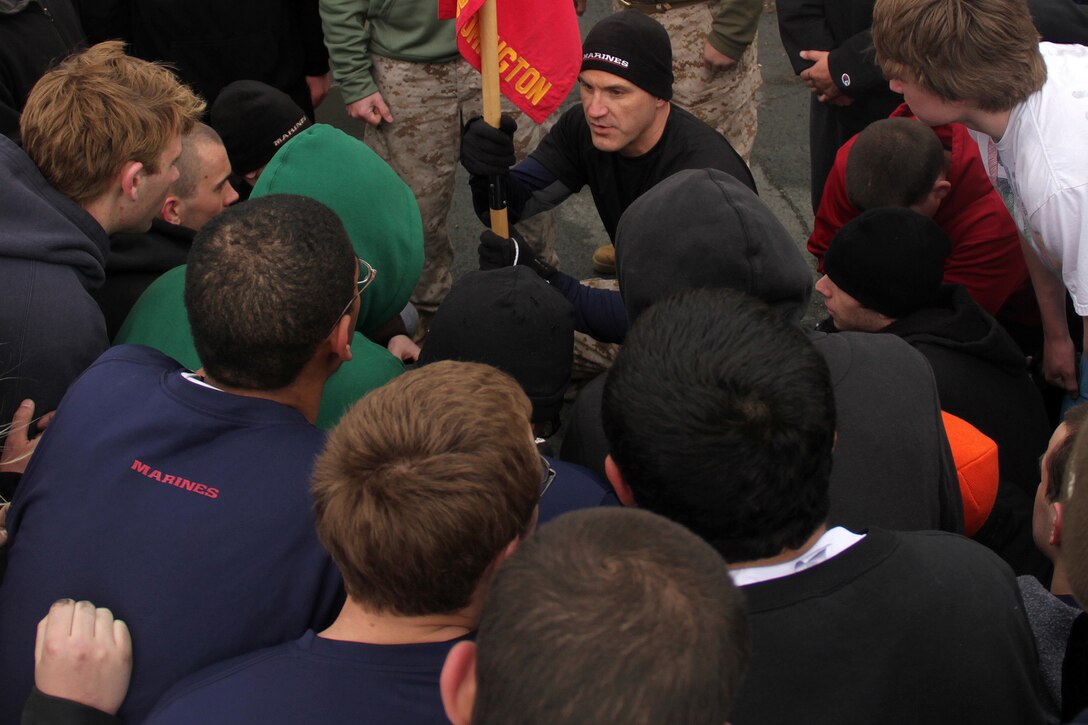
892, 465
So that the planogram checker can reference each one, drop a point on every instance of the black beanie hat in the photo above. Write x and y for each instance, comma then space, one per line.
255, 121
889, 260
512, 319
632, 46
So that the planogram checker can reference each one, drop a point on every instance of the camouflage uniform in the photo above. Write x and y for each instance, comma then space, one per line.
429, 102
723, 99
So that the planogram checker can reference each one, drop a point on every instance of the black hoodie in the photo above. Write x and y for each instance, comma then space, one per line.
34, 34
982, 377
892, 466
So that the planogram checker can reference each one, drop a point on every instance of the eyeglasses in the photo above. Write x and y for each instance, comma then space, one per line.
549, 475
362, 284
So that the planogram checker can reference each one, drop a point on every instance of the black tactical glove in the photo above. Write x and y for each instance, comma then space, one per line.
496, 252
486, 150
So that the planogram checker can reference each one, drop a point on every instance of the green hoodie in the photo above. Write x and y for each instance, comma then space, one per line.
394, 247
377, 208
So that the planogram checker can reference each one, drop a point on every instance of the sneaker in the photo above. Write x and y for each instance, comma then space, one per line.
604, 259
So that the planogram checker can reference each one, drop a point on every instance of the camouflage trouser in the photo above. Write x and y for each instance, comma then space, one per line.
725, 99
429, 102
591, 357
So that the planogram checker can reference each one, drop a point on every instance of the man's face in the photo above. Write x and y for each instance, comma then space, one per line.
213, 192
620, 114
846, 311
153, 187
931, 109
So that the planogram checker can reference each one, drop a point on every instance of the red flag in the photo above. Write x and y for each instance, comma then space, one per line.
540, 49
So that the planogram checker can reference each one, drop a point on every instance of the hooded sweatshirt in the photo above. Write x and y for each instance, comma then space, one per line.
135, 261
985, 257
52, 253
383, 222
892, 466
377, 208
982, 377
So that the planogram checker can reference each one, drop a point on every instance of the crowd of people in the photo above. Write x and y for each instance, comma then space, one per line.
267, 461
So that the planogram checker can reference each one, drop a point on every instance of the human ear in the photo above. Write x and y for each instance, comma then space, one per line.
171, 209
130, 176
342, 336
458, 683
1056, 525
623, 491
941, 189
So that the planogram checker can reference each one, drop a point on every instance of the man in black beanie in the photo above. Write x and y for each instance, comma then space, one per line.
626, 137
884, 271
255, 121
882, 265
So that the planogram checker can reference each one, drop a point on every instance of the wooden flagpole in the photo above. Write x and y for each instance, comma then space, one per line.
489, 69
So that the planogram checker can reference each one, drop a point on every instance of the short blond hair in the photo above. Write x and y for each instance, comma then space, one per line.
423, 483
982, 51
98, 110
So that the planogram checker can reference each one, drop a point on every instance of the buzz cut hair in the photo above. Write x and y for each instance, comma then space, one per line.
910, 148
611, 615
191, 161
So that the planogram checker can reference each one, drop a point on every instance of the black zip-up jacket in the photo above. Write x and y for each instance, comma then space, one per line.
34, 34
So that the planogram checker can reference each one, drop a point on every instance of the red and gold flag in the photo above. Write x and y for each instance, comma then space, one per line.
540, 50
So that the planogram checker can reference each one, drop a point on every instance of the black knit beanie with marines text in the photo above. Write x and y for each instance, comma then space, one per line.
634, 47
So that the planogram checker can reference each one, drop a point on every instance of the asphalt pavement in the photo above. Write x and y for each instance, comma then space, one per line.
779, 163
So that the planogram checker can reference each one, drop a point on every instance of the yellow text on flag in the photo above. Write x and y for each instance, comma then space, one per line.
529, 81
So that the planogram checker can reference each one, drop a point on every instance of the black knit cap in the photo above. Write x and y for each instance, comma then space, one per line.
255, 121
889, 260
512, 319
634, 47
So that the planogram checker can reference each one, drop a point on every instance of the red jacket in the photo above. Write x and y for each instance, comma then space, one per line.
986, 256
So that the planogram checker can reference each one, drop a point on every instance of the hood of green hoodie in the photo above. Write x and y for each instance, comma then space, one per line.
378, 210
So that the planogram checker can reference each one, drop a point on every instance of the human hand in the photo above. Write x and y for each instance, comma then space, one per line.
1060, 362
371, 109
715, 60
496, 252
403, 348
83, 654
319, 87
18, 447
840, 100
486, 150
818, 77
3, 520
579, 7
